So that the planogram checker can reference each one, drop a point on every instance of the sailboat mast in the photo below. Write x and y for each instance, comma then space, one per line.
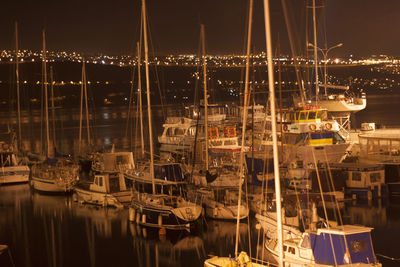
244, 122
46, 93
140, 97
17, 78
146, 62
203, 47
274, 135
53, 118
86, 103
315, 54
81, 110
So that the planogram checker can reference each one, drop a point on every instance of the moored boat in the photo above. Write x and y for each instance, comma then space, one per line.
163, 211
346, 245
59, 177
12, 170
221, 203
107, 189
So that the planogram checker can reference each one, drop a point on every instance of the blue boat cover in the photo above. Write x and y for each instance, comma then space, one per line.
359, 248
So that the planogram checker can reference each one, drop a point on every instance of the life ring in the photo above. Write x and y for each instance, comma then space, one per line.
312, 127
229, 131
285, 127
328, 126
213, 133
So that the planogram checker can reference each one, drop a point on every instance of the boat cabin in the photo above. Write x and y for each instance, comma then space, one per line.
380, 147
308, 119
108, 183
215, 113
308, 114
346, 244
178, 127
364, 180
113, 162
317, 138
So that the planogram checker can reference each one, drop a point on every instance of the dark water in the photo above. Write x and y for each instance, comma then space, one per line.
44, 230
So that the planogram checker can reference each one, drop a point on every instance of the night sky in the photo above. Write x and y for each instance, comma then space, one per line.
365, 27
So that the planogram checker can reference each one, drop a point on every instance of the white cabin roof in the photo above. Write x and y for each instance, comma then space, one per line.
345, 230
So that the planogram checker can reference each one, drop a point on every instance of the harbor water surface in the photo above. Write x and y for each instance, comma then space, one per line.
47, 230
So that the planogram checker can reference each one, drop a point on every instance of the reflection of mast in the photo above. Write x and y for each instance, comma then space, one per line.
91, 243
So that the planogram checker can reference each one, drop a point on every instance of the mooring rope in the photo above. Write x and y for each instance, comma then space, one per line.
387, 257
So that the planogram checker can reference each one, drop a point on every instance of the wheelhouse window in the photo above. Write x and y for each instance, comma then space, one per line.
375, 177
312, 115
356, 176
122, 159
100, 180
303, 115
170, 132
192, 131
358, 246
179, 131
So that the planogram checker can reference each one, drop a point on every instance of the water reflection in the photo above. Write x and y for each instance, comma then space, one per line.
102, 219
221, 235
367, 213
109, 126
47, 230
175, 248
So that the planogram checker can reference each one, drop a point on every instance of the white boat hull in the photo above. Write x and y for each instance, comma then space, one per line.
14, 174
270, 227
49, 185
103, 199
342, 105
226, 212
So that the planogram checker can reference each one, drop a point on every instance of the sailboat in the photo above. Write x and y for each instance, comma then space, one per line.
158, 189
339, 105
13, 170
107, 186
346, 245
243, 259
323, 243
219, 193
57, 175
